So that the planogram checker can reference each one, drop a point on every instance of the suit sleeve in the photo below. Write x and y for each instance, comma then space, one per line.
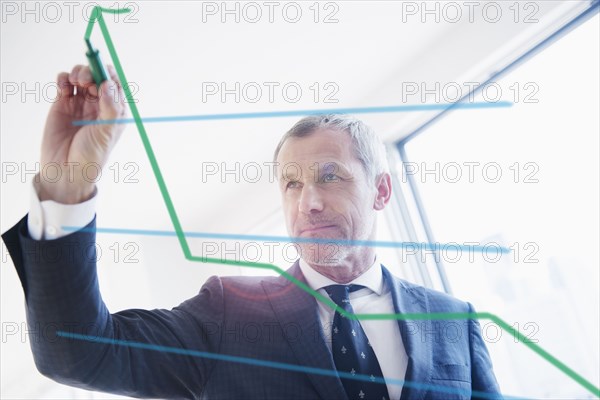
482, 373
81, 344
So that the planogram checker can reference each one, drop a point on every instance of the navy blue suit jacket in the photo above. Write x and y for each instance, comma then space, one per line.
254, 318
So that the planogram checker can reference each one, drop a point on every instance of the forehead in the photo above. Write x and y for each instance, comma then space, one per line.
321, 145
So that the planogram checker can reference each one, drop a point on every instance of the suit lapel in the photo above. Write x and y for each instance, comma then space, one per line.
419, 369
295, 307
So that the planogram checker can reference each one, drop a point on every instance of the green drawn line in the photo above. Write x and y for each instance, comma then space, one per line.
97, 15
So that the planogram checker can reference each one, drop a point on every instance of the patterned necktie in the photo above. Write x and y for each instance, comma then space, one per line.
352, 352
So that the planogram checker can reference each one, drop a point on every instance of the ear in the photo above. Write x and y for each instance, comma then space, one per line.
383, 184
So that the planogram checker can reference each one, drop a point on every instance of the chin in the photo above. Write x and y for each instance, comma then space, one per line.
323, 254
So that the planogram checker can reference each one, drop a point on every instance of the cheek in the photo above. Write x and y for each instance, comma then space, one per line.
359, 211
290, 212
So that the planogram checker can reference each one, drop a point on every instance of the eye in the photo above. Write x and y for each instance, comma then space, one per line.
330, 178
292, 185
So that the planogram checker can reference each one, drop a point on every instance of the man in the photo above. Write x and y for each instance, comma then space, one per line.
333, 179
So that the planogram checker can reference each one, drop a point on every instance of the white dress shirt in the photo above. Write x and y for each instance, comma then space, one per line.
384, 335
46, 219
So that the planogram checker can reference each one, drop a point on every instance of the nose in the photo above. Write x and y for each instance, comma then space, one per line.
311, 200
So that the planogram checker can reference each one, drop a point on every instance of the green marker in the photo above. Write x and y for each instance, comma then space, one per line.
96, 66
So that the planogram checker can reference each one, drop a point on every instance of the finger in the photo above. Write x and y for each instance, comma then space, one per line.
86, 80
111, 103
81, 77
120, 93
65, 89
115, 77
73, 76
113, 74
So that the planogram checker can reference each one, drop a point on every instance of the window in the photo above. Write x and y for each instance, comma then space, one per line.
526, 178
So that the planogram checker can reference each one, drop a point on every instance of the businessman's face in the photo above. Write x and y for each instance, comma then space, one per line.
326, 194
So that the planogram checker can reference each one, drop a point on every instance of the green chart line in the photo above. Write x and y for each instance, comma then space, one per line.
96, 15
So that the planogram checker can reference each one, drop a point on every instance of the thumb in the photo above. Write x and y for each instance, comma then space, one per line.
110, 100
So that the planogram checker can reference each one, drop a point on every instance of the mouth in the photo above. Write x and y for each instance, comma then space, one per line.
316, 229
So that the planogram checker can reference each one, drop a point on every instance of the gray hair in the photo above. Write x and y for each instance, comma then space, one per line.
368, 147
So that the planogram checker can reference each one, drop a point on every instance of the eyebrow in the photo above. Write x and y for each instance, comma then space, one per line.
327, 167
284, 178
338, 168
287, 178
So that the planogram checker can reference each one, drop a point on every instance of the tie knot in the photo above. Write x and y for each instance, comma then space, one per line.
340, 294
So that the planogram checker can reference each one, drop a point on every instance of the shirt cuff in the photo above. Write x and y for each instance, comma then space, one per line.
51, 220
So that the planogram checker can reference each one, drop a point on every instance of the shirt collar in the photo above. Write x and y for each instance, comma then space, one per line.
372, 278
